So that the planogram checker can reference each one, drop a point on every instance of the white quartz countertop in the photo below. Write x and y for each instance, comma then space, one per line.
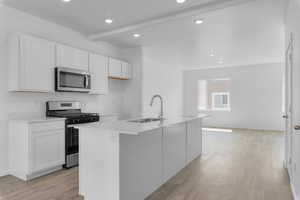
132, 128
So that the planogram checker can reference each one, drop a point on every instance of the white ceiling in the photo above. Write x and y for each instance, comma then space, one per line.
87, 16
250, 33
224, 31
228, 24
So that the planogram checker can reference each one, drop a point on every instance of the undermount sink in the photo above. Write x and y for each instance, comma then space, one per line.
146, 120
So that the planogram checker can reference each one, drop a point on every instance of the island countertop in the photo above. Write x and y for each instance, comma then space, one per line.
133, 128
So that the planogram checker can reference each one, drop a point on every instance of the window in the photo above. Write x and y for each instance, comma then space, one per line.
214, 94
220, 101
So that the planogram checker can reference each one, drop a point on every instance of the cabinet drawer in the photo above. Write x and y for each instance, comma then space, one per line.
46, 126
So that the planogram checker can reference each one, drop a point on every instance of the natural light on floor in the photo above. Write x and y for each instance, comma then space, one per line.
218, 130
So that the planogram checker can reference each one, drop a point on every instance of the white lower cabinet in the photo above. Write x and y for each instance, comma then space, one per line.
36, 148
174, 150
194, 139
46, 149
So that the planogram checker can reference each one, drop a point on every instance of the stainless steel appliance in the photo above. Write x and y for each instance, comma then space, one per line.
72, 80
71, 110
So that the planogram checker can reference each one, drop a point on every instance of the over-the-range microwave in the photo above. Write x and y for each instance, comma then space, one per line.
72, 80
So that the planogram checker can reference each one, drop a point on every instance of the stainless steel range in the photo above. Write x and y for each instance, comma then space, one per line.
71, 110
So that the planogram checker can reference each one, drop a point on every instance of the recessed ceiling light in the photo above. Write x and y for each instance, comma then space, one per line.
66, 1
198, 21
136, 35
109, 21
180, 1
211, 54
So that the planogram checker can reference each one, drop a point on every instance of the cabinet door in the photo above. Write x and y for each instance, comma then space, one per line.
115, 68
194, 140
70, 57
174, 150
37, 61
99, 76
47, 150
126, 70
81, 59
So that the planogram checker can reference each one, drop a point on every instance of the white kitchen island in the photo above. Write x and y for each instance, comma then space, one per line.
128, 161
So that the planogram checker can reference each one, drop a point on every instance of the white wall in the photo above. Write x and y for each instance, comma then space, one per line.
293, 26
12, 104
155, 71
255, 96
235, 34
132, 99
161, 75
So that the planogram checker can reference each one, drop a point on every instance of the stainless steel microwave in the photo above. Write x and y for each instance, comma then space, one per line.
72, 80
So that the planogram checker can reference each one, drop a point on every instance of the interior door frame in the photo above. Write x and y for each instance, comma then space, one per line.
288, 76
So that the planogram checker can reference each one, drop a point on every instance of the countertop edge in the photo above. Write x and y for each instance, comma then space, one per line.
128, 128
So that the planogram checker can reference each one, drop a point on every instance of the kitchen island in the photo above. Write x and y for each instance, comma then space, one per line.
125, 160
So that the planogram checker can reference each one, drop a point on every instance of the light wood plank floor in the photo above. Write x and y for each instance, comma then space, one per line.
243, 165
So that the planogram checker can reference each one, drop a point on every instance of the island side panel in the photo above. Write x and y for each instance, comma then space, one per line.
194, 139
174, 150
99, 164
140, 164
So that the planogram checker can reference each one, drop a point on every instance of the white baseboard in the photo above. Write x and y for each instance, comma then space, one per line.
294, 192
3, 173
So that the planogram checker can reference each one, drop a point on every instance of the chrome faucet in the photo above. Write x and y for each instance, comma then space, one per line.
161, 114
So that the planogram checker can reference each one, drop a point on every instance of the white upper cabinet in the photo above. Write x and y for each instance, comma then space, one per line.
32, 64
119, 69
98, 68
32, 61
115, 68
71, 57
126, 70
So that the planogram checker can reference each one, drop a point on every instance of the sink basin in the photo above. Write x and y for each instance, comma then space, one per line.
146, 120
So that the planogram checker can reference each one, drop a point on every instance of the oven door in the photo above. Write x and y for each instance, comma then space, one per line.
72, 147
71, 80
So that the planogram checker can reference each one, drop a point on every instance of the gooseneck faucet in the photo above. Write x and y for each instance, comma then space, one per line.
161, 114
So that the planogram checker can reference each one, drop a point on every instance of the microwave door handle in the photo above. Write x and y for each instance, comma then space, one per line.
85, 83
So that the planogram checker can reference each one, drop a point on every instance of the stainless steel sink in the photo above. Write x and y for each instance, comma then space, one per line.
146, 120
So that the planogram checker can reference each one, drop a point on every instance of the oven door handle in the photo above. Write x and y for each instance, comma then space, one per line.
70, 136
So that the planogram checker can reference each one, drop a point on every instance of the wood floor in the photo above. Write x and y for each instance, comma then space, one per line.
243, 165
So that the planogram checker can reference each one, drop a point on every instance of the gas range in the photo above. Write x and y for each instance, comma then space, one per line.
71, 110
77, 118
